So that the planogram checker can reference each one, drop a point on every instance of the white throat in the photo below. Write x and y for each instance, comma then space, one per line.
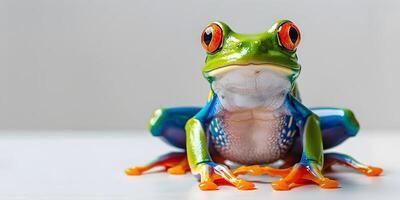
251, 87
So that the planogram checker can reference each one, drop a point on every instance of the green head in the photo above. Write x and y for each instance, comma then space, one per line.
274, 49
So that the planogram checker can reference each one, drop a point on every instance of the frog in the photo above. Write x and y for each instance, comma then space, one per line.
254, 117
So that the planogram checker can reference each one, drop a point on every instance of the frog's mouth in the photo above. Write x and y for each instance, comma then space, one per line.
257, 68
250, 86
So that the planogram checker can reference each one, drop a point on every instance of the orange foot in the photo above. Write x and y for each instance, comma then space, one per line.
371, 171
239, 184
174, 163
218, 181
347, 161
301, 175
211, 178
257, 170
135, 171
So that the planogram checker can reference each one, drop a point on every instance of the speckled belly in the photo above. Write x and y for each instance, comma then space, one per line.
253, 136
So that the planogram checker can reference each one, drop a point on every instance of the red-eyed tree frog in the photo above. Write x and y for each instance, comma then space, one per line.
254, 116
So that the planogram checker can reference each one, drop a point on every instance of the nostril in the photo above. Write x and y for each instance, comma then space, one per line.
263, 47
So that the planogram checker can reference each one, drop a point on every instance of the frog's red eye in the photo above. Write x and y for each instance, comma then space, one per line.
289, 36
211, 38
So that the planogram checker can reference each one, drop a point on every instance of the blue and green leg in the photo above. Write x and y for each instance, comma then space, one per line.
336, 126
199, 156
169, 125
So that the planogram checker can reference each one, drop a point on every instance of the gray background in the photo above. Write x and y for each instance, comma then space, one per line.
108, 64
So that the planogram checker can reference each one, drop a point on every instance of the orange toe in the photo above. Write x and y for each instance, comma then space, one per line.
328, 184
254, 170
209, 185
257, 170
244, 185
177, 170
280, 185
135, 171
299, 176
372, 171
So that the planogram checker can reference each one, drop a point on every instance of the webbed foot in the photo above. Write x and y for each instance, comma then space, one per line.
371, 171
135, 171
303, 174
174, 163
257, 170
213, 175
347, 161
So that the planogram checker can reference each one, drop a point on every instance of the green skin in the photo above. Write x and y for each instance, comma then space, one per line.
245, 49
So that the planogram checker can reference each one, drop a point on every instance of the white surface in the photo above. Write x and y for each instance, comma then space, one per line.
90, 165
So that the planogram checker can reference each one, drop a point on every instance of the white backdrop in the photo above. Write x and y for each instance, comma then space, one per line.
81, 64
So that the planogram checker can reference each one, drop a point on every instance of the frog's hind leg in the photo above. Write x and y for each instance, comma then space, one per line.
169, 125
174, 163
347, 161
337, 125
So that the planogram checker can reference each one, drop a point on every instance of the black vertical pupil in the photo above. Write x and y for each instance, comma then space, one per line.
293, 35
207, 36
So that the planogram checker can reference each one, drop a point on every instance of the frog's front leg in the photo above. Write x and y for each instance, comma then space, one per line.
201, 164
310, 166
199, 158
